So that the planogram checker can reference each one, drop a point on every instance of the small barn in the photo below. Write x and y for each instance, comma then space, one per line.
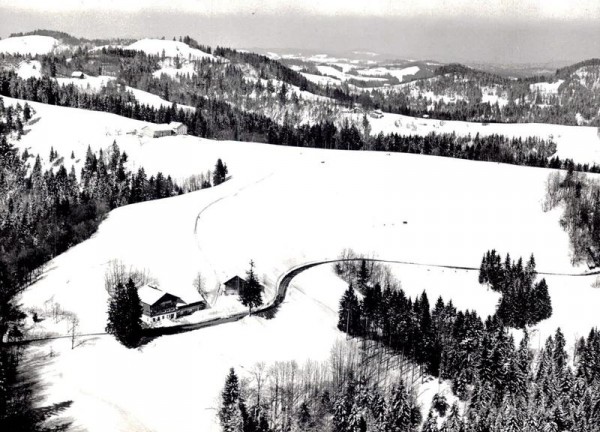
157, 130
158, 304
178, 128
78, 75
234, 285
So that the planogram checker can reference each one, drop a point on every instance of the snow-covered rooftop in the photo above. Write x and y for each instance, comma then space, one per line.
150, 294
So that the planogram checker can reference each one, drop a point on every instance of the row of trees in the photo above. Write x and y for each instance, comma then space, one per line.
218, 119
524, 302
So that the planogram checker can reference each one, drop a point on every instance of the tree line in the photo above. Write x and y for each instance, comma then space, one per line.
219, 120
505, 385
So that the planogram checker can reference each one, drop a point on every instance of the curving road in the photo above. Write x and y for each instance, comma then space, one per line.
282, 284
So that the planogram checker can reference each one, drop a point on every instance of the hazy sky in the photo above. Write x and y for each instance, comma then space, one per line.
499, 31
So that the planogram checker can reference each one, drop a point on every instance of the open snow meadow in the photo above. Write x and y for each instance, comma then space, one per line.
282, 207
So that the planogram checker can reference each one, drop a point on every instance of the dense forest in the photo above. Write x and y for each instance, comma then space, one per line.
369, 383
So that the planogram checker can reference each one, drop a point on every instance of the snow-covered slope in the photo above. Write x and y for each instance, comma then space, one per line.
29, 69
170, 48
399, 73
283, 206
319, 191
31, 45
580, 143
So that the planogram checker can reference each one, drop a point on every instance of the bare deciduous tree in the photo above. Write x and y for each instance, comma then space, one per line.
200, 285
117, 273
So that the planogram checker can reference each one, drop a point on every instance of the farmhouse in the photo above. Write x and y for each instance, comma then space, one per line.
164, 129
78, 75
158, 305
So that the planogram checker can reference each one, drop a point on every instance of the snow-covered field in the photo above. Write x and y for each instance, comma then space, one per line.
89, 83
170, 48
580, 143
29, 69
546, 88
169, 67
399, 73
28, 45
282, 207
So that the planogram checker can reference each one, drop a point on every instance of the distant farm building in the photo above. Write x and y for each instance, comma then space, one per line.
158, 305
178, 128
234, 285
376, 114
164, 129
78, 75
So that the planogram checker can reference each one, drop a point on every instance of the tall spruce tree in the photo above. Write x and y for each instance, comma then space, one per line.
125, 315
220, 173
349, 314
543, 303
251, 293
230, 414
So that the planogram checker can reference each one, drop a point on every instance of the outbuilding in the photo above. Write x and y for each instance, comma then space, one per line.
234, 285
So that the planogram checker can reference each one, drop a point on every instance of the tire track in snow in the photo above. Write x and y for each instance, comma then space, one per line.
201, 212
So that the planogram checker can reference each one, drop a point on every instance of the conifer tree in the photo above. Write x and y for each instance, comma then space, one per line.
430, 424
125, 315
220, 173
363, 276
251, 293
349, 314
543, 303
402, 413
230, 414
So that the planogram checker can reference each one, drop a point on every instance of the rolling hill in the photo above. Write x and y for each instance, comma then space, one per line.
282, 206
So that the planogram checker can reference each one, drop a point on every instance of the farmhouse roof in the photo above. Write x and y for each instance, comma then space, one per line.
151, 295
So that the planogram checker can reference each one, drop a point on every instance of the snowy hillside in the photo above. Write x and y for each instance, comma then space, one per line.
28, 45
580, 143
156, 47
29, 69
283, 206
399, 73
262, 172
83, 128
